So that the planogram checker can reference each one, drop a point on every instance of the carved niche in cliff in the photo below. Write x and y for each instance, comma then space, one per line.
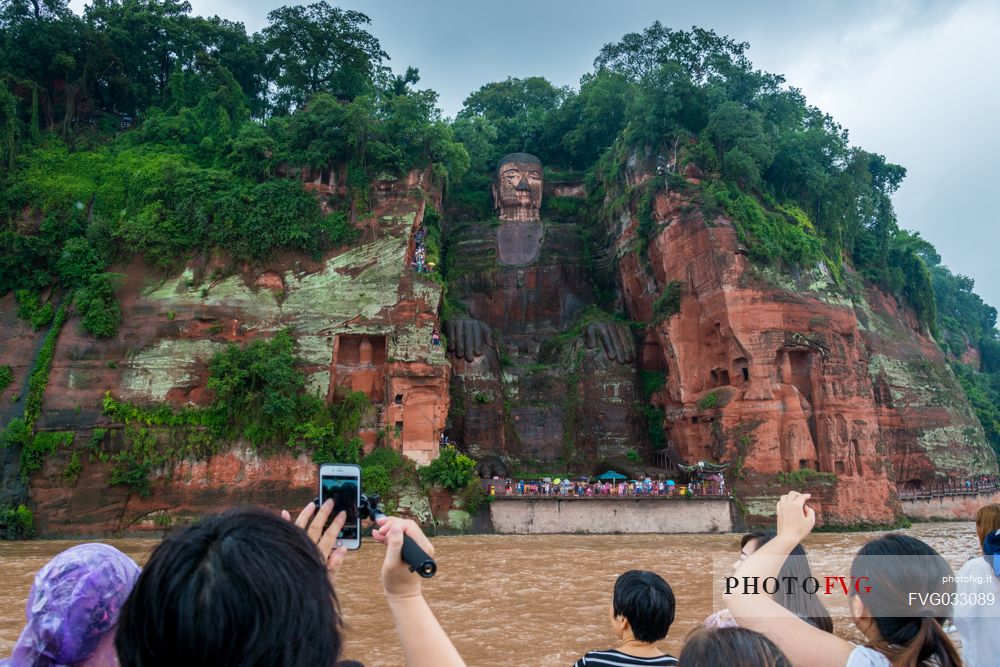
359, 365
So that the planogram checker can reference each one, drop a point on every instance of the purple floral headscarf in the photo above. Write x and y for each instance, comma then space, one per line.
73, 604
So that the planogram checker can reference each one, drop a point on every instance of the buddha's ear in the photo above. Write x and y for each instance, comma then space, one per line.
496, 195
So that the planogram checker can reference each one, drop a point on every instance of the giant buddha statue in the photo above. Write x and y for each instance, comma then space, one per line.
538, 370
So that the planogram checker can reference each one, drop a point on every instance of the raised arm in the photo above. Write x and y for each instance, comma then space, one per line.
803, 644
424, 642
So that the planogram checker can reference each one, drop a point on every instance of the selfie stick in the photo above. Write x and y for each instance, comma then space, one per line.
412, 554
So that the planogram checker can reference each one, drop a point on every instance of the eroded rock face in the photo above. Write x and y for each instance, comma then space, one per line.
362, 320
778, 376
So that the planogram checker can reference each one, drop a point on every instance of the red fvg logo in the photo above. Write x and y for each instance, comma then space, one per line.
789, 585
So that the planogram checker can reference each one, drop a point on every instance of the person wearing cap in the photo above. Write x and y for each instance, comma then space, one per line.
73, 609
976, 581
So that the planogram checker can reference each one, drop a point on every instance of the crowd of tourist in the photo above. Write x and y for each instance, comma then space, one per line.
248, 588
584, 488
420, 251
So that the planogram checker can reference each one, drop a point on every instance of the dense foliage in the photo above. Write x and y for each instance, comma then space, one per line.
139, 129
16, 523
451, 470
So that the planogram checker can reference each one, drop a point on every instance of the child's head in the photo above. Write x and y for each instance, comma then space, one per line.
737, 647
643, 604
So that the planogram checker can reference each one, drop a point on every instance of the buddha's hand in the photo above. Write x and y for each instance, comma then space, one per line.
468, 338
616, 339
795, 518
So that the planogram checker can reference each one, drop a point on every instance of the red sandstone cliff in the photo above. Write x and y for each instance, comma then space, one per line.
361, 319
779, 375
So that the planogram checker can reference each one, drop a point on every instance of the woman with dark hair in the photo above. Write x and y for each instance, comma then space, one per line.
899, 632
732, 647
248, 588
807, 607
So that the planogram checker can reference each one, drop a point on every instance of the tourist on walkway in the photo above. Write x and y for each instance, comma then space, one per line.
642, 610
892, 640
980, 577
73, 608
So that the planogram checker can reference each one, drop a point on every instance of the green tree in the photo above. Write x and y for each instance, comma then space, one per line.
590, 119
98, 304
743, 149
318, 48
136, 46
517, 108
257, 389
703, 54
78, 262
451, 470
665, 106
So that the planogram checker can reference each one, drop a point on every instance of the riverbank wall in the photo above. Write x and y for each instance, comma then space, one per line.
947, 508
534, 516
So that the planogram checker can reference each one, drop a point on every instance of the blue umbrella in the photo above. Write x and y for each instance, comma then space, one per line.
612, 475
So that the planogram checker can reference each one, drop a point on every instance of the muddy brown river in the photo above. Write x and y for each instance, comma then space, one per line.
505, 597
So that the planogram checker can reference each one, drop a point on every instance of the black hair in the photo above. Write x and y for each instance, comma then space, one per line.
733, 647
241, 588
647, 601
907, 641
808, 607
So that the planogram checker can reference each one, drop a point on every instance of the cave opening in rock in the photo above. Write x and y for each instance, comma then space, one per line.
741, 367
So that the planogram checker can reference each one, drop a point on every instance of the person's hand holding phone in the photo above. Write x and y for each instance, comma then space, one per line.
398, 579
312, 521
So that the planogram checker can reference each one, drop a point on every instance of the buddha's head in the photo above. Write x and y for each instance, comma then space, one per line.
517, 191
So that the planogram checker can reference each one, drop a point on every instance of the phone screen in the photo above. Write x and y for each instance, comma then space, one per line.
345, 493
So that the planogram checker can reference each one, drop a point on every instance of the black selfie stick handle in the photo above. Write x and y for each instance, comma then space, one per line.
412, 554
417, 558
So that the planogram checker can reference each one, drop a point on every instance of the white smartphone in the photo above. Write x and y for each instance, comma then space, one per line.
342, 483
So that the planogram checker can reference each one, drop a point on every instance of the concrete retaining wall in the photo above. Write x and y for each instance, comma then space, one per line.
599, 515
956, 508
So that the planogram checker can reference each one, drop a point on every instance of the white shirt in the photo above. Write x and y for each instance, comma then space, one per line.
862, 656
978, 625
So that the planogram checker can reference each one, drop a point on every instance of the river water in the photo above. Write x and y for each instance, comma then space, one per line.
503, 598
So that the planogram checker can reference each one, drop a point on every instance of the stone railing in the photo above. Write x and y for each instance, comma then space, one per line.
950, 489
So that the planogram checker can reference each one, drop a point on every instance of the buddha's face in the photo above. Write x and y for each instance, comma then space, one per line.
517, 192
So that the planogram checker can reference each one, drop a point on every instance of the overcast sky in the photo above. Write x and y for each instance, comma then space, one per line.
918, 81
